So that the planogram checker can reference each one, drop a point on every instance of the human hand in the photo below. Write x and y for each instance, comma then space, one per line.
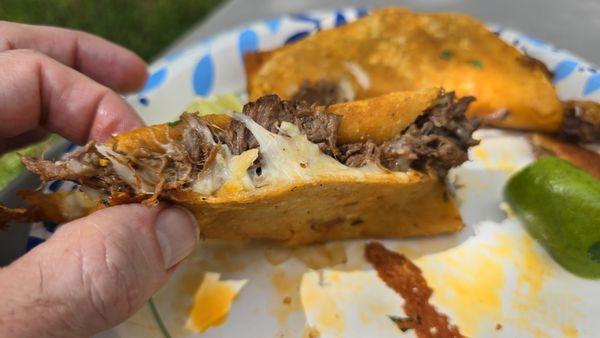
95, 272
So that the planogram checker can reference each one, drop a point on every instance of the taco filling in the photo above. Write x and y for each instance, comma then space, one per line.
273, 140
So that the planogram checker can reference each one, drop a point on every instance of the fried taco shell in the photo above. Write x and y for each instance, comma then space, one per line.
394, 49
282, 171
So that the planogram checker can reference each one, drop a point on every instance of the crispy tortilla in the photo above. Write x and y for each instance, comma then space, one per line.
394, 49
339, 207
309, 196
583, 158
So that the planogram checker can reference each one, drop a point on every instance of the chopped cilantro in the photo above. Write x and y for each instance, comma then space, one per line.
476, 63
173, 123
446, 54
403, 323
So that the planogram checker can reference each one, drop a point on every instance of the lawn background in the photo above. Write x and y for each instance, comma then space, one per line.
144, 26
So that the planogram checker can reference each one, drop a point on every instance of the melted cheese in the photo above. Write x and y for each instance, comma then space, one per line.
227, 174
238, 179
360, 75
76, 204
285, 157
290, 156
213, 175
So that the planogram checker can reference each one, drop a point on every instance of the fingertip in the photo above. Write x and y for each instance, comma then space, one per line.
111, 64
134, 72
113, 116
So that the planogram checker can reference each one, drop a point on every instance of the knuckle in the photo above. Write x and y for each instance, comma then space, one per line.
23, 56
30, 54
4, 43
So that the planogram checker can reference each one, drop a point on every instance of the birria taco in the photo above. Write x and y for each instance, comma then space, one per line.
395, 49
282, 171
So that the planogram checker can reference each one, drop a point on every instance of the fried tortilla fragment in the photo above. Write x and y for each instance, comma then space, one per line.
12, 215
394, 49
583, 158
286, 171
582, 122
58, 207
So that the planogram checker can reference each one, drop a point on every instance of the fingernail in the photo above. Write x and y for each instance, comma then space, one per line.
177, 234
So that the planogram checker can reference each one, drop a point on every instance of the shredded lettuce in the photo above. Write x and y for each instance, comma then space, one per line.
216, 105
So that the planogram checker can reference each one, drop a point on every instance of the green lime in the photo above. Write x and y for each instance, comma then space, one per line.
559, 205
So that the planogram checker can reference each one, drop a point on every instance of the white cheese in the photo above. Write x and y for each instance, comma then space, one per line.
227, 173
360, 75
287, 156
290, 156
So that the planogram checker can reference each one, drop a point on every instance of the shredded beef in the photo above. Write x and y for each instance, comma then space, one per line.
269, 111
321, 93
359, 154
437, 141
88, 169
581, 122
174, 168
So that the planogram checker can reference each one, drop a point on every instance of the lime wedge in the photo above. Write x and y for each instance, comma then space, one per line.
559, 205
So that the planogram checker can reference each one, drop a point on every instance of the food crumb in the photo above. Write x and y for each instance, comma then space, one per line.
287, 300
403, 323
498, 327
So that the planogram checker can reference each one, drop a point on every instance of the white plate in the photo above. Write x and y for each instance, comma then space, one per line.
490, 273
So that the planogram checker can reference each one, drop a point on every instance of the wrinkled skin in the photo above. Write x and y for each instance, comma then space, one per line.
90, 275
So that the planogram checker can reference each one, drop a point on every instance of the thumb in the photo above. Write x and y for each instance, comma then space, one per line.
95, 272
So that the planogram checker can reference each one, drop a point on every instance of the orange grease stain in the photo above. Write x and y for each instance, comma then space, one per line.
469, 281
469, 284
212, 302
570, 331
327, 314
288, 289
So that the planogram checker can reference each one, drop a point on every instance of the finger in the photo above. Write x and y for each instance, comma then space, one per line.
22, 140
95, 272
35, 90
103, 61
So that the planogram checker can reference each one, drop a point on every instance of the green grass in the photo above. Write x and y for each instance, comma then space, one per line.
146, 27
